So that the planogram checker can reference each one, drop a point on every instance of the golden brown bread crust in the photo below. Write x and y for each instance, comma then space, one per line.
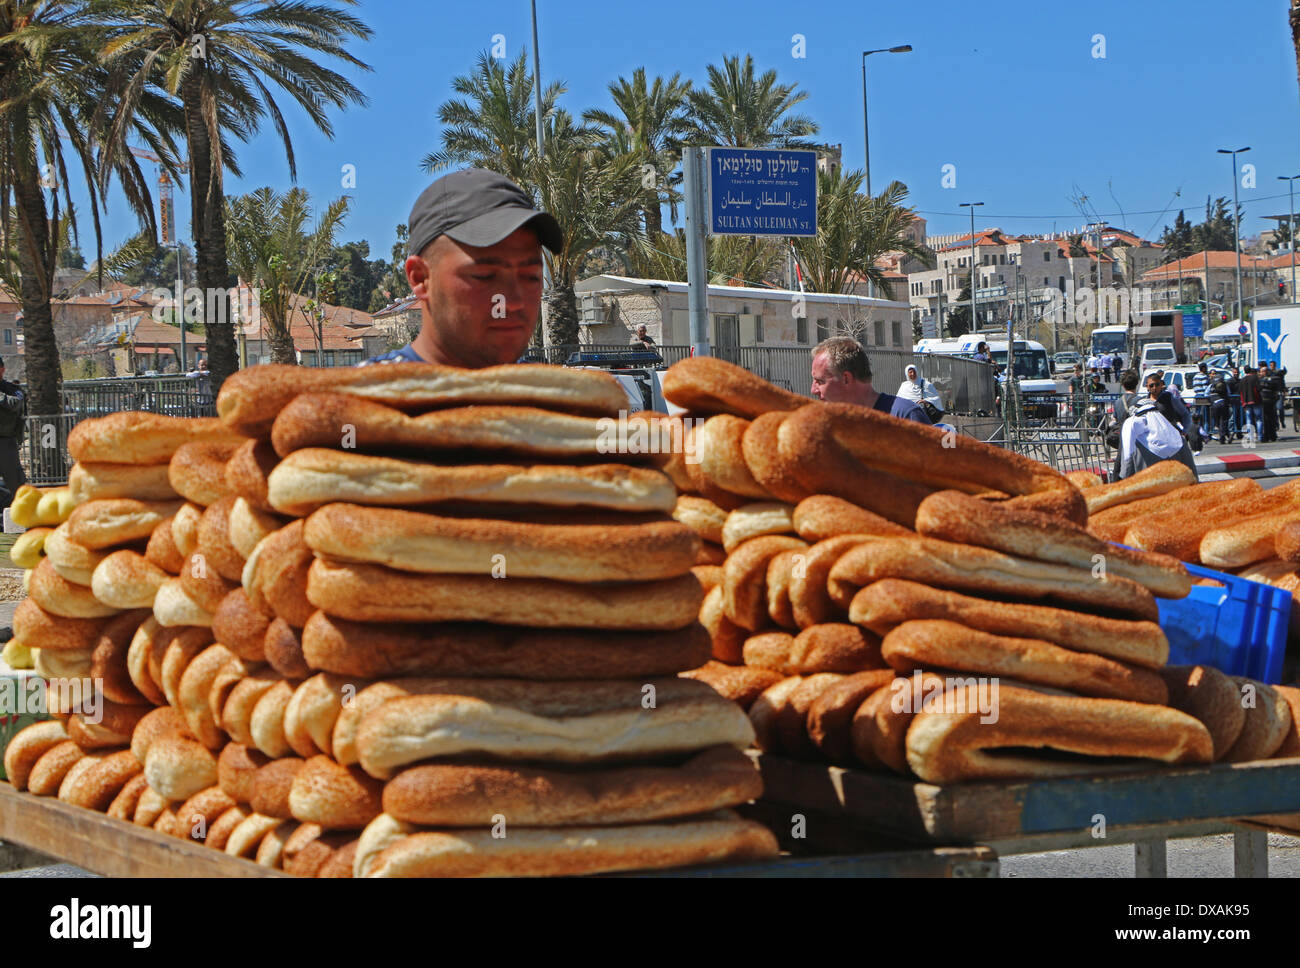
214, 540
1286, 543
127, 800
270, 786
178, 767
372, 651
765, 712
114, 727
427, 543
726, 637
266, 725
313, 708
1268, 720
154, 725
754, 520
1111, 523
541, 852
890, 602
74, 562
196, 817
880, 723
247, 470
248, 526
72, 780
185, 528
792, 717
275, 575
1247, 541
719, 450
179, 652
967, 568
58, 596
174, 608
94, 481
335, 797
283, 650
962, 519
1211, 697
710, 576
824, 516
115, 521
220, 829
108, 663
239, 626
250, 401
149, 807
372, 593
237, 713
28, 746
741, 684
779, 571
48, 773
834, 647
470, 795
744, 592
194, 686
1179, 534
249, 833
940, 644
140, 438
236, 767
768, 650
44, 630
830, 717
203, 584
1291, 742
1153, 481
707, 385
1082, 479
761, 449
127, 579
700, 515
162, 550
950, 746
340, 863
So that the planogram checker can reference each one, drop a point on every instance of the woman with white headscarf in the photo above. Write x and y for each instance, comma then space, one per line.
921, 392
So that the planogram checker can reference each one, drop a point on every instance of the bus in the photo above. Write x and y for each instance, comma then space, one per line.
1033, 375
1110, 339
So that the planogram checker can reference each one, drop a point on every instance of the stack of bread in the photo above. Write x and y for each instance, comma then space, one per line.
39, 511
391, 666
878, 574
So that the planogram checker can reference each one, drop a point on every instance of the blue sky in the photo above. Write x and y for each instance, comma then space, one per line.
1010, 94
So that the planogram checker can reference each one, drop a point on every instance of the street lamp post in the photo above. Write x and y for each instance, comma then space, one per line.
972, 206
1236, 223
537, 118
866, 141
1290, 222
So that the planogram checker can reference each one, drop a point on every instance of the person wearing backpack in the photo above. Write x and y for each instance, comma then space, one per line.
13, 405
1148, 437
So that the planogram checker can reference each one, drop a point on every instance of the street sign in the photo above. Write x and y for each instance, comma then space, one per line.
1243, 329
762, 191
1193, 324
1189, 307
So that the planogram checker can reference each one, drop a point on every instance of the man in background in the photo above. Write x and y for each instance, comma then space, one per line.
13, 410
841, 373
642, 339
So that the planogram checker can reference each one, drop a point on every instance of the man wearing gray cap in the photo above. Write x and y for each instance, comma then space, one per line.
475, 267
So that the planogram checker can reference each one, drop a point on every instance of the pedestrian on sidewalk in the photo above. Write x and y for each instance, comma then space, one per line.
1278, 376
1250, 403
1219, 407
1234, 399
1128, 381
13, 409
1268, 403
1201, 393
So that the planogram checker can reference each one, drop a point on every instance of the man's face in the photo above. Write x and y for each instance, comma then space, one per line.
1154, 386
826, 385
481, 304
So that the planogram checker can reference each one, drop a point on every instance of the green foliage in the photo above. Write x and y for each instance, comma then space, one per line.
957, 318
736, 108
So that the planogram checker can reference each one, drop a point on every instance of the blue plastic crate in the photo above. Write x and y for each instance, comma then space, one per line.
1239, 629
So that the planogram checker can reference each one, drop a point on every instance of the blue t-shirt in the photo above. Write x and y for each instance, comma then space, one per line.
406, 354
901, 407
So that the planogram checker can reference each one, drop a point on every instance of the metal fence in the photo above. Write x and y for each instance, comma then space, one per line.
175, 396
44, 450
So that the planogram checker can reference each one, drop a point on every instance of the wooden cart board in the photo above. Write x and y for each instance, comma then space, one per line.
965, 813
926, 862
108, 846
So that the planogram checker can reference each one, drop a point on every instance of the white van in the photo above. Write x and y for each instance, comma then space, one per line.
1158, 355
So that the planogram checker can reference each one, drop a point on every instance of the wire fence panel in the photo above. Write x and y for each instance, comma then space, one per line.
44, 450
173, 396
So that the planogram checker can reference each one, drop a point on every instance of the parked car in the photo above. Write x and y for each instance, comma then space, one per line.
1177, 378
1065, 361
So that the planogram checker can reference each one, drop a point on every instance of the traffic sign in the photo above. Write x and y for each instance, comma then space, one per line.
762, 191
1243, 329
1193, 324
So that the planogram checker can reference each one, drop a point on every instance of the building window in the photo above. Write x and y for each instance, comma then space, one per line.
758, 328
9, 337
1047, 255
880, 332
823, 329
728, 329
329, 357
1002, 259
1060, 283
897, 328
1046, 281
801, 330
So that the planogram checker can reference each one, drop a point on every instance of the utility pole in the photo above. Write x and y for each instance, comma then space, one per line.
866, 139
1236, 224
1290, 224
541, 152
973, 299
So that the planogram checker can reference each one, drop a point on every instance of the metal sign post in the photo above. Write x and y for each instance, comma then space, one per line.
697, 274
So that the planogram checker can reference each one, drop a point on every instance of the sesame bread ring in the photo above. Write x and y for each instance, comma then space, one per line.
166, 822
237, 712
276, 575
1211, 697
248, 835
117, 521
220, 830
236, 767
878, 732
266, 725
309, 848
834, 647
248, 526
140, 438
779, 572
700, 515
197, 815
58, 596
172, 607
770, 468
741, 684
127, 579
710, 554
99, 785
1158, 479
810, 604
178, 767
240, 627
1268, 720
719, 449
1286, 543
153, 726
185, 529
76, 771
284, 652
744, 591
109, 663
137, 661
792, 719
28, 746
197, 470
39, 629
710, 576
428, 543
313, 709
270, 852
74, 562
251, 399
162, 550
270, 786
823, 516
752, 520
309, 479
214, 540
830, 717
94, 481
127, 800
768, 650
203, 584
247, 471
114, 726
708, 385
62, 663
333, 796
182, 650
372, 593
193, 689
727, 638
149, 807
53, 765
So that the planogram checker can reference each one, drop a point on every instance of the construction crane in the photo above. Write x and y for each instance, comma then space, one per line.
166, 203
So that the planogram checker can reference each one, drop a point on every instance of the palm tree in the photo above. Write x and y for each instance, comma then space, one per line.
651, 122
215, 56
272, 249
741, 111
52, 91
594, 196
731, 259
853, 231
492, 125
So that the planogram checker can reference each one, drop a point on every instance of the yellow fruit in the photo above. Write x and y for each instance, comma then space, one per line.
23, 507
17, 656
29, 548
47, 509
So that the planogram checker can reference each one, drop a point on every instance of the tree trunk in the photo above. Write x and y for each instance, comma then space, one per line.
281, 343
562, 314
654, 217
208, 225
35, 255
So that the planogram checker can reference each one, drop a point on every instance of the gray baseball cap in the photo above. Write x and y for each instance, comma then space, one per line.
477, 207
